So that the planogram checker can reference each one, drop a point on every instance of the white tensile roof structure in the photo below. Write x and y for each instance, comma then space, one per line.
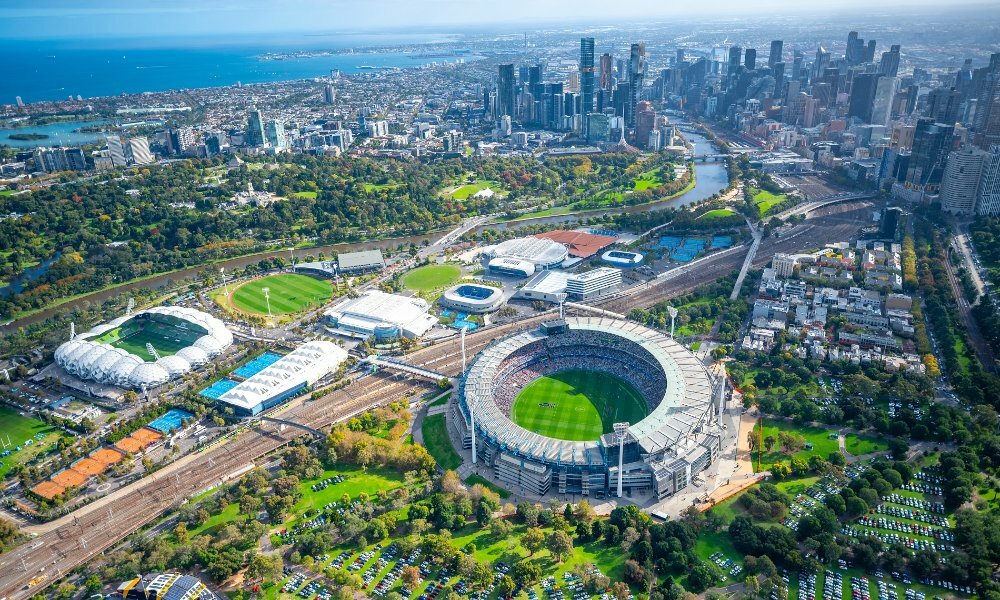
539, 251
303, 366
94, 361
375, 310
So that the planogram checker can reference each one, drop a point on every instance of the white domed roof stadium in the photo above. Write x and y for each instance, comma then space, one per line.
541, 252
145, 349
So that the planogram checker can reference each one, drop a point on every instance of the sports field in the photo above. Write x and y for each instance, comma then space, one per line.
577, 405
290, 293
431, 277
166, 339
15, 431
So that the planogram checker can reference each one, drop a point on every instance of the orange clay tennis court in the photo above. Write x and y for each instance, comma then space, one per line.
48, 490
89, 467
107, 457
69, 478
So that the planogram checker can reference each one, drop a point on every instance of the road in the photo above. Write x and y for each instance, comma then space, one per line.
74, 539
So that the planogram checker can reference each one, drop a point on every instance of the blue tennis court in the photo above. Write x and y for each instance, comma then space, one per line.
467, 325
669, 241
257, 365
721, 241
171, 421
693, 243
218, 388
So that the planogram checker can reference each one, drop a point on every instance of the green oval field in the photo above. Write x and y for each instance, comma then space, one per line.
577, 405
290, 293
431, 277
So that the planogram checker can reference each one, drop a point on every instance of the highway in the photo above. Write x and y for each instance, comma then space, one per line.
77, 538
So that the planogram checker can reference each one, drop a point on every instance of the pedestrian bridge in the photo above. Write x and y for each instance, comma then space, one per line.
395, 365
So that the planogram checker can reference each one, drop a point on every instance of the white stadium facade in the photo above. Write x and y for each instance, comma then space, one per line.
677, 439
472, 297
522, 257
380, 315
91, 360
285, 378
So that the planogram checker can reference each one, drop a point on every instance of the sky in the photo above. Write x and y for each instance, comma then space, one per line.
49, 19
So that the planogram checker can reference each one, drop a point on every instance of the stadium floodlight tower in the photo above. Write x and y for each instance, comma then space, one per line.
462, 337
72, 330
130, 307
562, 302
621, 430
267, 299
673, 316
222, 273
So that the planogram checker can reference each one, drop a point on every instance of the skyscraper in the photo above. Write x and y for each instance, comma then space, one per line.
735, 53
889, 65
988, 201
329, 93
505, 91
255, 128
18, 101
636, 70
855, 52
139, 149
862, 96
885, 93
931, 144
645, 120
117, 151
275, 132
607, 65
960, 182
750, 60
587, 74
819, 65
775, 56
987, 118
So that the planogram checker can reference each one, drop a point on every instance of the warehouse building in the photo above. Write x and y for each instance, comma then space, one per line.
285, 378
360, 262
380, 315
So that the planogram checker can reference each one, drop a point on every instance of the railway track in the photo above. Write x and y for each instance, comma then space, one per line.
89, 531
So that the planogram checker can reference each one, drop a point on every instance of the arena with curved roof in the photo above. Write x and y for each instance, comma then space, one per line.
678, 438
472, 297
540, 252
146, 349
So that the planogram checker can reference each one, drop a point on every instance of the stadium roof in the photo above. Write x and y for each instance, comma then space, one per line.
685, 404
166, 586
539, 251
304, 365
376, 309
581, 244
95, 361
365, 259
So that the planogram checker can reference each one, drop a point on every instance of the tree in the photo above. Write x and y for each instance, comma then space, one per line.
528, 513
620, 590
584, 511
501, 528
410, 577
525, 573
780, 470
532, 540
560, 545
93, 584
263, 567
482, 575
769, 442
505, 586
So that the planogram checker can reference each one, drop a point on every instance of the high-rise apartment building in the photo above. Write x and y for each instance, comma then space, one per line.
988, 202
636, 72
889, 65
255, 129
987, 117
117, 151
505, 91
885, 93
587, 74
139, 149
775, 56
329, 94
275, 134
960, 182
607, 67
750, 59
931, 144
862, 96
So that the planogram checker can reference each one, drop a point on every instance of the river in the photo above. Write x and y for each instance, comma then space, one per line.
711, 179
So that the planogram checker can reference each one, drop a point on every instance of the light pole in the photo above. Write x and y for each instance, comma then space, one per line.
222, 273
621, 429
267, 298
673, 316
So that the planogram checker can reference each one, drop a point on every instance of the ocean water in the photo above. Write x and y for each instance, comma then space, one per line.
55, 69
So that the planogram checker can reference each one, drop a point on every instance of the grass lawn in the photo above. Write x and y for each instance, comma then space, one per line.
357, 481
436, 439
577, 405
766, 200
440, 401
307, 195
817, 436
611, 561
474, 479
290, 293
18, 430
718, 213
463, 192
431, 277
375, 187
648, 180
863, 444
710, 542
